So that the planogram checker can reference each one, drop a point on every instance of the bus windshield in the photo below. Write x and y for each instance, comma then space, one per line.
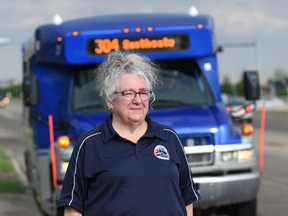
85, 96
182, 84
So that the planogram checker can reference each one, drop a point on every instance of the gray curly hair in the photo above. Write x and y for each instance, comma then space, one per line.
118, 63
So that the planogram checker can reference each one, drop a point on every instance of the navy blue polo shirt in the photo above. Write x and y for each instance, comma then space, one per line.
112, 176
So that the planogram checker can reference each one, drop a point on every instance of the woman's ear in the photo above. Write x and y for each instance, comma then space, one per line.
109, 104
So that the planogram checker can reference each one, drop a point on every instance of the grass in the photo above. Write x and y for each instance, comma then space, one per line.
9, 181
5, 162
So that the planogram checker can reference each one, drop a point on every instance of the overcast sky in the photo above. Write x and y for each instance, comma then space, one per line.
261, 21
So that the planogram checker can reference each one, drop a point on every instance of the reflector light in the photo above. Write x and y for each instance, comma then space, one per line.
150, 29
200, 26
247, 129
75, 33
59, 39
126, 30
137, 29
63, 141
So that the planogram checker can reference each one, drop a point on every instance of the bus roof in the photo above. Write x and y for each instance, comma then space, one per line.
71, 42
109, 22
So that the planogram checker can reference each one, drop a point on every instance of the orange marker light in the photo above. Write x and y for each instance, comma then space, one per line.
247, 129
137, 29
59, 39
150, 29
200, 26
63, 141
126, 30
75, 33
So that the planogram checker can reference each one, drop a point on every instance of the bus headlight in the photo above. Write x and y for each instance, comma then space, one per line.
245, 155
240, 156
229, 156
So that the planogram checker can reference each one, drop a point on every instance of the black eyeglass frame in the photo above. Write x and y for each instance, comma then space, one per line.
131, 94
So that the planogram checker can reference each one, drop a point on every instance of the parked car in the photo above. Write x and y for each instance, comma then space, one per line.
238, 108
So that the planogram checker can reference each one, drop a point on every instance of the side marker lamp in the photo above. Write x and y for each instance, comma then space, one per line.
75, 33
59, 39
149, 29
200, 26
137, 30
63, 141
126, 30
247, 129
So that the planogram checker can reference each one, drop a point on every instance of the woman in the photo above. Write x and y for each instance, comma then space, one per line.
129, 165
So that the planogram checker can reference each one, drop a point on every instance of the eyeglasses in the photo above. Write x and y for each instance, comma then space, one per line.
130, 95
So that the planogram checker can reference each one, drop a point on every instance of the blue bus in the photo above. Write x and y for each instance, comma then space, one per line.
61, 101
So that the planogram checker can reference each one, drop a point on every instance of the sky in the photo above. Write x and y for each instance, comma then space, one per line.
254, 33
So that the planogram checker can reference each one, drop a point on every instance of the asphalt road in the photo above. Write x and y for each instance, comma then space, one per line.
272, 197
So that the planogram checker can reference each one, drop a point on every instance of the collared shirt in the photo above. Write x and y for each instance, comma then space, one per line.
111, 176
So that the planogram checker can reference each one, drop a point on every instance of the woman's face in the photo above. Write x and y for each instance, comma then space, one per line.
129, 110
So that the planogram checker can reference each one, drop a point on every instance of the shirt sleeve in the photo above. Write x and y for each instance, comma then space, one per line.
73, 190
187, 186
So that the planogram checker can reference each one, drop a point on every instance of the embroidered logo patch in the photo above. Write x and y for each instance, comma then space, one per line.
161, 152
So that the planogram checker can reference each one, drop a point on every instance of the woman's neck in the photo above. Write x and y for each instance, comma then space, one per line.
132, 131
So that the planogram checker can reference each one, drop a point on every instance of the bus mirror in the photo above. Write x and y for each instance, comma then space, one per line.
251, 85
30, 90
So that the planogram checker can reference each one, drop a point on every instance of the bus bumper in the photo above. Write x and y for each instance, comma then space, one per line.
226, 190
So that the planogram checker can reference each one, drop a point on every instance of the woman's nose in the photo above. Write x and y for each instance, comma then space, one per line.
137, 98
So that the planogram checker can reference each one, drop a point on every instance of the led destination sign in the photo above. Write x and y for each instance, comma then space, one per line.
100, 46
